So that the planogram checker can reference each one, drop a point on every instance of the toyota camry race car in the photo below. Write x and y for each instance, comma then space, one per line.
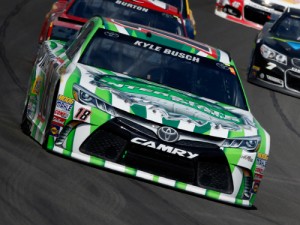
150, 104
252, 13
275, 62
66, 17
187, 14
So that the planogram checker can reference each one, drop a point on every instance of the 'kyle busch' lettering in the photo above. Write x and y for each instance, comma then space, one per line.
167, 51
164, 148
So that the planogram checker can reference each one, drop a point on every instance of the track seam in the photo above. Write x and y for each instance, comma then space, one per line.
3, 56
286, 121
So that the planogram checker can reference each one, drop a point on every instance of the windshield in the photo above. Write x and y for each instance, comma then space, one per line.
118, 9
190, 73
288, 28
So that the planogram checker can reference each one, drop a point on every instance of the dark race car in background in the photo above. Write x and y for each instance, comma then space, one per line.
187, 14
66, 17
275, 61
252, 13
150, 104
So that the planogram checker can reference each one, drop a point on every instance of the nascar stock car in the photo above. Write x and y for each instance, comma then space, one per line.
67, 17
252, 13
275, 62
151, 104
184, 8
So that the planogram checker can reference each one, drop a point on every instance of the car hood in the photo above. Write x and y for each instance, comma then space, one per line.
287, 47
166, 105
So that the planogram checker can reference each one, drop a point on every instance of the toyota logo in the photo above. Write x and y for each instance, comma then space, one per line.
168, 134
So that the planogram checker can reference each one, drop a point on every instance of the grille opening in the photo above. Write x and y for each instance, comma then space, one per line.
209, 170
214, 173
293, 80
255, 15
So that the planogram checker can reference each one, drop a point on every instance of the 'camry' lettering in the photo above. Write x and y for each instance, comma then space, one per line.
164, 148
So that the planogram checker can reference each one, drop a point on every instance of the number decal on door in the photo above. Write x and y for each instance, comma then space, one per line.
83, 114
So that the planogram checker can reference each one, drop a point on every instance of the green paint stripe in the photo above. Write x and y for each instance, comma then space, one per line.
97, 161
170, 123
180, 185
239, 202
234, 134
139, 110
212, 194
262, 134
205, 129
67, 153
130, 171
50, 143
233, 155
155, 179
33, 133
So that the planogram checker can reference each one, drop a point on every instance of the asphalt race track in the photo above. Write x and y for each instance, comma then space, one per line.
37, 187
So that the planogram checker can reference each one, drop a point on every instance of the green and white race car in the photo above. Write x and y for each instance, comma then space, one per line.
149, 104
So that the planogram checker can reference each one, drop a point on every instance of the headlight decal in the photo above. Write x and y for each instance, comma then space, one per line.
85, 97
271, 54
248, 143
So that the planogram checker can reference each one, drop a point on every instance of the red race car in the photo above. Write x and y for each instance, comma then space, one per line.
68, 16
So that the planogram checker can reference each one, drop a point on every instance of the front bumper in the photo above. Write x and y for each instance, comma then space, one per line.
217, 173
275, 76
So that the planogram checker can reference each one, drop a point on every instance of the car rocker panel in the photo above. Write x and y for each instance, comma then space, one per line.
252, 13
110, 119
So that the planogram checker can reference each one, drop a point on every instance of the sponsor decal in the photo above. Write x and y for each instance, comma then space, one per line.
63, 106
261, 162
236, 4
259, 170
64, 103
167, 51
262, 156
255, 187
274, 79
65, 99
132, 6
247, 158
258, 177
62, 114
164, 148
37, 85
54, 130
111, 34
58, 121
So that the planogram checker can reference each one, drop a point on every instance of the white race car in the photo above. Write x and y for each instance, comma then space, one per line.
252, 13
